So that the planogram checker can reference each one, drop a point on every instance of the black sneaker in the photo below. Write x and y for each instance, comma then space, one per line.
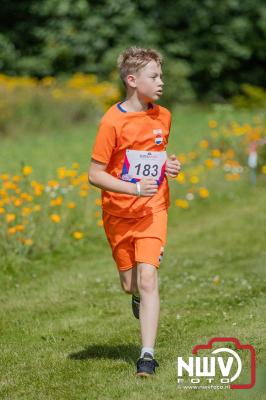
135, 305
146, 365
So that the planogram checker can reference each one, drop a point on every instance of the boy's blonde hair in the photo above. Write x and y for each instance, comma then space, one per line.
134, 58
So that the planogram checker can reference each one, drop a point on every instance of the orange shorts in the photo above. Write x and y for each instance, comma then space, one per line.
136, 239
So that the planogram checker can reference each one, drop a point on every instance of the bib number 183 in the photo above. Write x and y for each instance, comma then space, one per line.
147, 169
144, 164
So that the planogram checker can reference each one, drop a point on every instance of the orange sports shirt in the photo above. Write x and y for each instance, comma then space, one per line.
120, 130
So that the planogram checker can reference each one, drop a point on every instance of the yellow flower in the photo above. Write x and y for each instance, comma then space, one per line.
37, 207
61, 172
192, 155
97, 214
57, 94
212, 123
75, 166
47, 81
27, 242
203, 192
53, 183
20, 228
10, 217
71, 204
84, 186
216, 153
263, 169
100, 222
83, 193
182, 203
194, 179
182, 158
26, 196
71, 173
98, 202
180, 177
55, 218
4, 177
2, 210
204, 144
78, 235
27, 170
26, 211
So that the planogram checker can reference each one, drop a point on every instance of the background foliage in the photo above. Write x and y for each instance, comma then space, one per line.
212, 47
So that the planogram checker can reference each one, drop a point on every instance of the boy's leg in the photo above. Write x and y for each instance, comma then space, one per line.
128, 280
147, 278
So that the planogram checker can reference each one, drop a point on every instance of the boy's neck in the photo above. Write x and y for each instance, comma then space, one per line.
135, 104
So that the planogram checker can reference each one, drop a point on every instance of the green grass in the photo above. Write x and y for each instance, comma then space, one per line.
67, 331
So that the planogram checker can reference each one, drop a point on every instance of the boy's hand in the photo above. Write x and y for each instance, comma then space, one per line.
173, 166
148, 187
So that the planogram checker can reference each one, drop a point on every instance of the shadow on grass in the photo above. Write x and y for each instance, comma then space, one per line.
127, 352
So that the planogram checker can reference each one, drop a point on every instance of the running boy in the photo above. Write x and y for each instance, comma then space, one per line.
129, 163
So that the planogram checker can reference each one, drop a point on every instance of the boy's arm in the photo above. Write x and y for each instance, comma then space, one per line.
100, 178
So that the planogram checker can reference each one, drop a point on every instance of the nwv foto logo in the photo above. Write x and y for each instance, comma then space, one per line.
223, 365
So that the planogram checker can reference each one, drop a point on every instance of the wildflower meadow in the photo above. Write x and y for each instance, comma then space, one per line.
67, 330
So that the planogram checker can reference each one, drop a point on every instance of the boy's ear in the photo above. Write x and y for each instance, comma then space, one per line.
131, 81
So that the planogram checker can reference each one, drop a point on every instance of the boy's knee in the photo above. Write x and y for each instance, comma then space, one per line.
148, 279
128, 288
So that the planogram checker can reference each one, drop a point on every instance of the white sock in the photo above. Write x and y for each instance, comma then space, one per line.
149, 350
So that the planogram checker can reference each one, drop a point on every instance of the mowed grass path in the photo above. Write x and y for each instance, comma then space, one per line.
67, 331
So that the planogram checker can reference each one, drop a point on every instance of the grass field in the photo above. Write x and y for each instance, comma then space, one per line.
67, 331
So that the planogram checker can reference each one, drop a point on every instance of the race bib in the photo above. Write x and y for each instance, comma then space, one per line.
144, 164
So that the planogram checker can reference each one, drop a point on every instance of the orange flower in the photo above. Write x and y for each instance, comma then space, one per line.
20, 228
12, 230
56, 202
209, 163
55, 218
71, 204
10, 217
203, 193
17, 202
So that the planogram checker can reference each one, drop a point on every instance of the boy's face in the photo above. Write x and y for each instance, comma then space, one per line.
148, 82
